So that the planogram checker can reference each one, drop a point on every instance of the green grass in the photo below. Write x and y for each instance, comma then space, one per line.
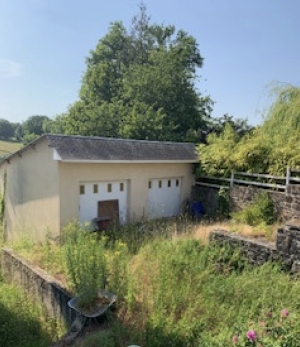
21, 321
175, 291
8, 147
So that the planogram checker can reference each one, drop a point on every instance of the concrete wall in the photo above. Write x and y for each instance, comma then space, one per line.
138, 175
42, 287
32, 201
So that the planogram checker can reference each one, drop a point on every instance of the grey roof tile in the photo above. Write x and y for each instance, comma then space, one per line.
75, 148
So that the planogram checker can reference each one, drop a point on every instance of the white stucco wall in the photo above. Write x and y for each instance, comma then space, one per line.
32, 201
43, 194
138, 175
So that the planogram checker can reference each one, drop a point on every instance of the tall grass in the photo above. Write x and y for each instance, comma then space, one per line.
22, 322
186, 294
175, 291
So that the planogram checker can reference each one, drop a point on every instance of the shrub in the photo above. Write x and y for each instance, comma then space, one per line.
86, 262
21, 322
223, 203
260, 211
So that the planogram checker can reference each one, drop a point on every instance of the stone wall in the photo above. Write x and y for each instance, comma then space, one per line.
287, 204
209, 198
291, 205
39, 285
241, 196
286, 249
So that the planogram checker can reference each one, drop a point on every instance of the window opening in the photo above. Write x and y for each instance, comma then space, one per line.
81, 189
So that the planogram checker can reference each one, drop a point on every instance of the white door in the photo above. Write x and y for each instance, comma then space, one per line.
164, 197
91, 193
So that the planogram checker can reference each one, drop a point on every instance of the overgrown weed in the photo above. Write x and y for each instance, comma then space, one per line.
260, 212
22, 322
175, 290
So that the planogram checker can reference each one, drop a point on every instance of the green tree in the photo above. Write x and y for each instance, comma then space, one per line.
34, 125
140, 81
240, 126
56, 125
6, 129
267, 149
217, 156
19, 132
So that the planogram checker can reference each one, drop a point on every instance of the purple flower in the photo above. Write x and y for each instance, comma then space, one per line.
284, 313
235, 339
251, 335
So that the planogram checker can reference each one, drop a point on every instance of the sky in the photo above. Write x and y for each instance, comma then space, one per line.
247, 46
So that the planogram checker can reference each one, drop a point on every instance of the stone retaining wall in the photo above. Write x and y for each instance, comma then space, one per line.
287, 204
42, 287
241, 196
257, 252
286, 249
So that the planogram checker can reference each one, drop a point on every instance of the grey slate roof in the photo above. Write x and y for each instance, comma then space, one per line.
76, 148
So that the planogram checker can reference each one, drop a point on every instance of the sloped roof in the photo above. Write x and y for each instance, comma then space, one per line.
85, 148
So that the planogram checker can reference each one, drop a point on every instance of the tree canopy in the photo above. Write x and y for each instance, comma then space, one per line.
140, 83
267, 149
7, 129
34, 127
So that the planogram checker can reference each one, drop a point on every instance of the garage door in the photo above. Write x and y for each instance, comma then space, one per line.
99, 199
164, 197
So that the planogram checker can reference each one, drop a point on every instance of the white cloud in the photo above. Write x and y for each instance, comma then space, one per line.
10, 68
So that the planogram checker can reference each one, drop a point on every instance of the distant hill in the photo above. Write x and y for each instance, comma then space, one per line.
8, 147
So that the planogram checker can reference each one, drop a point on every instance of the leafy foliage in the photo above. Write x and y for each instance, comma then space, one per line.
217, 156
21, 321
140, 81
177, 292
85, 262
260, 211
33, 127
6, 129
240, 126
267, 149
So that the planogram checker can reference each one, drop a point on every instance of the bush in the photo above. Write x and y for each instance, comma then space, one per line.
21, 320
260, 211
86, 262
223, 203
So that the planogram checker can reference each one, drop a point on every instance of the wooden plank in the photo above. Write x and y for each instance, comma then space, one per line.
215, 178
211, 185
259, 184
259, 175
295, 179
